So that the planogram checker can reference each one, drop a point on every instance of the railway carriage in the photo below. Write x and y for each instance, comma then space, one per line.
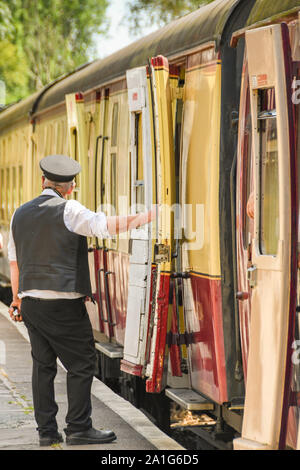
194, 118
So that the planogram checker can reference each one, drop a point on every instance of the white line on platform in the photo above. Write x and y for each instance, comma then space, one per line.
134, 417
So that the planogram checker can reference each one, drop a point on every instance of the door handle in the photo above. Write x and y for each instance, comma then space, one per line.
100, 296
252, 276
108, 306
242, 296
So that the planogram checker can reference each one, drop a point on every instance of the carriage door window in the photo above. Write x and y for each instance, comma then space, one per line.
269, 181
8, 192
113, 157
247, 167
138, 167
74, 144
14, 189
2, 190
20, 185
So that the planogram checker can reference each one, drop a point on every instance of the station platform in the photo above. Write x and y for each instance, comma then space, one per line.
17, 424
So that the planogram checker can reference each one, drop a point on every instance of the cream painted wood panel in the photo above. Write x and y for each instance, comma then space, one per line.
271, 273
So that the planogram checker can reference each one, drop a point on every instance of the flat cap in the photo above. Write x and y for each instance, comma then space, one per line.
59, 168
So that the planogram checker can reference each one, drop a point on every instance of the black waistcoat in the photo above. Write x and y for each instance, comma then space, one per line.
49, 256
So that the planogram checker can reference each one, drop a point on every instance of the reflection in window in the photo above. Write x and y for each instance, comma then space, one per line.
20, 185
139, 168
113, 181
2, 190
75, 155
114, 127
14, 188
8, 208
247, 151
269, 181
113, 157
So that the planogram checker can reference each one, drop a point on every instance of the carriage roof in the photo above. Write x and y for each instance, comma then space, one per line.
268, 9
199, 27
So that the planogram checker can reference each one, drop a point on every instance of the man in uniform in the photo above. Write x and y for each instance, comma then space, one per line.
50, 280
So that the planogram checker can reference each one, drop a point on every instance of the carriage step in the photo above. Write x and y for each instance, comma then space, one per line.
189, 399
111, 350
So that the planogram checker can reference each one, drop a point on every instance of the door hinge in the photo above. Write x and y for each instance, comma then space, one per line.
161, 253
186, 338
177, 93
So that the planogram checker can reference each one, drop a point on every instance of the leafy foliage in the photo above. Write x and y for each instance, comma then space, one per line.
46, 39
13, 76
41, 40
148, 12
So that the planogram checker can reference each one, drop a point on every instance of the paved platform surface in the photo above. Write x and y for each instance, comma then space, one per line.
17, 425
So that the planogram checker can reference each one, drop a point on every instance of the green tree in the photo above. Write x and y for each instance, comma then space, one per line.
45, 39
13, 73
13, 80
57, 35
5, 20
148, 12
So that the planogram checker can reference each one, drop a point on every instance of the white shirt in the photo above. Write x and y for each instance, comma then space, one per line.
78, 219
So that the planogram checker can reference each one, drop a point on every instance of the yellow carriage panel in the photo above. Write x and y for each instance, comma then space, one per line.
13, 161
165, 161
200, 169
13, 190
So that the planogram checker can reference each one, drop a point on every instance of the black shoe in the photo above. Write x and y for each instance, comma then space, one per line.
91, 436
49, 439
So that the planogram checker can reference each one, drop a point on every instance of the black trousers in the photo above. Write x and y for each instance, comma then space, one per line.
60, 329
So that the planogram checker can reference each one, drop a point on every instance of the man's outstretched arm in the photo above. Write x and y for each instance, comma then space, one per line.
118, 224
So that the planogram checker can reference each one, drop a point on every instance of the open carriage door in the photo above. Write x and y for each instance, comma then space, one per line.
78, 146
140, 239
164, 227
149, 276
272, 275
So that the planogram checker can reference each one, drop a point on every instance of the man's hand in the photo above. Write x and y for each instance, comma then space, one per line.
152, 213
1, 242
146, 217
15, 310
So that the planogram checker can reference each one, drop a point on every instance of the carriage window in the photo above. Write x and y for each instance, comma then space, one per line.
8, 211
114, 127
75, 153
113, 181
269, 180
14, 188
20, 185
139, 168
2, 189
247, 151
113, 156
49, 139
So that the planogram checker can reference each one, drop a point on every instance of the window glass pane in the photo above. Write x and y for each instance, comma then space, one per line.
114, 126
20, 185
7, 194
269, 181
14, 188
113, 181
139, 165
139, 149
2, 189
75, 151
247, 149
